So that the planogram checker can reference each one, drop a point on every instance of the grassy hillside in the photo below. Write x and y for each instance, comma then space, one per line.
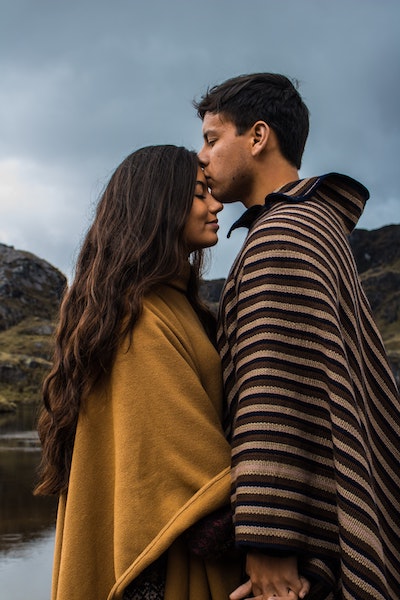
24, 361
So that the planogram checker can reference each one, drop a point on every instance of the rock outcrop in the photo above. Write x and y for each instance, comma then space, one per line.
29, 286
377, 254
30, 293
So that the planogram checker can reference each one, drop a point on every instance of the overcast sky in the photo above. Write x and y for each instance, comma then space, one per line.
83, 83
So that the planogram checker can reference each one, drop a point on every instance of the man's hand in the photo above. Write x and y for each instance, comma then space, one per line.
271, 577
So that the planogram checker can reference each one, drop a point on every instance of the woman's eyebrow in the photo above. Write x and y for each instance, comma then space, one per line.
203, 185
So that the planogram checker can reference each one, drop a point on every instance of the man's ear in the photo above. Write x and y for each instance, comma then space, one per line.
260, 134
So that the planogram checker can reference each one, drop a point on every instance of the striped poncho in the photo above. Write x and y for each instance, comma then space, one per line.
313, 409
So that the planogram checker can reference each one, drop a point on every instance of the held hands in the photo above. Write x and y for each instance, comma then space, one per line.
271, 578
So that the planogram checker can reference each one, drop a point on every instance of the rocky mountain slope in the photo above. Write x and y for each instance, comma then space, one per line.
30, 292
31, 289
377, 255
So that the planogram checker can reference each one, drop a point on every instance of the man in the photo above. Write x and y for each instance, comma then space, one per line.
314, 412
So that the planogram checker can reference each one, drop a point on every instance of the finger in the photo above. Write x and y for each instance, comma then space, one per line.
290, 595
305, 587
241, 592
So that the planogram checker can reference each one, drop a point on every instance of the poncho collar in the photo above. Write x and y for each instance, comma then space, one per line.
344, 194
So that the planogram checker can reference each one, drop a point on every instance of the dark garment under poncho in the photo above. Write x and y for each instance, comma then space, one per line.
314, 413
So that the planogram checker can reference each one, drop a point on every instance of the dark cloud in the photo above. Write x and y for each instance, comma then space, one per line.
83, 84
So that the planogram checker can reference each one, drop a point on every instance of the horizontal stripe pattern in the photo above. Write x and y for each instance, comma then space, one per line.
313, 408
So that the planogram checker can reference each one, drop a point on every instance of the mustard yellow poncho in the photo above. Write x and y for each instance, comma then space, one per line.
150, 459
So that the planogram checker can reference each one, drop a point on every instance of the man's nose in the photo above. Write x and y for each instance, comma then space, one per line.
202, 156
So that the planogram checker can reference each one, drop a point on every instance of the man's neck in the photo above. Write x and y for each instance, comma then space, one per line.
269, 180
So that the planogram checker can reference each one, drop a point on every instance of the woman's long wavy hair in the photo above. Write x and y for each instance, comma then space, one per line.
134, 244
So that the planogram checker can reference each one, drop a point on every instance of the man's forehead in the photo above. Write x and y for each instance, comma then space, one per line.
215, 121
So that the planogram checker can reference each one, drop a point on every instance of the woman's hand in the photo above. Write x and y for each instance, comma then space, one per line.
271, 577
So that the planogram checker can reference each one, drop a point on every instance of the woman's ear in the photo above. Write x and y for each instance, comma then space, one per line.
260, 135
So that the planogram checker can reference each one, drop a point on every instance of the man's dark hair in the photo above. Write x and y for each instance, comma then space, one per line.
268, 97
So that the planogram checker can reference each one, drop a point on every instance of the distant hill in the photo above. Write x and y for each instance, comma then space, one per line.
31, 289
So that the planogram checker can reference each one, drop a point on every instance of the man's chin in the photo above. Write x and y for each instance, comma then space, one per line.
217, 194
225, 199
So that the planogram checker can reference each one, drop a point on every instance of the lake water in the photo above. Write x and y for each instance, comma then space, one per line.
26, 522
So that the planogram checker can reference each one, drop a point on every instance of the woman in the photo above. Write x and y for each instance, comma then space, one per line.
130, 429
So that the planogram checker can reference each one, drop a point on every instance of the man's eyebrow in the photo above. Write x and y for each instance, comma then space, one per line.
208, 132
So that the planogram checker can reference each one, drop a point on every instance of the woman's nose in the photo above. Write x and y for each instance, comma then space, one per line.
216, 206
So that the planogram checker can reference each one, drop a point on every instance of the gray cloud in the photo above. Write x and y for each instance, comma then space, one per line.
83, 84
